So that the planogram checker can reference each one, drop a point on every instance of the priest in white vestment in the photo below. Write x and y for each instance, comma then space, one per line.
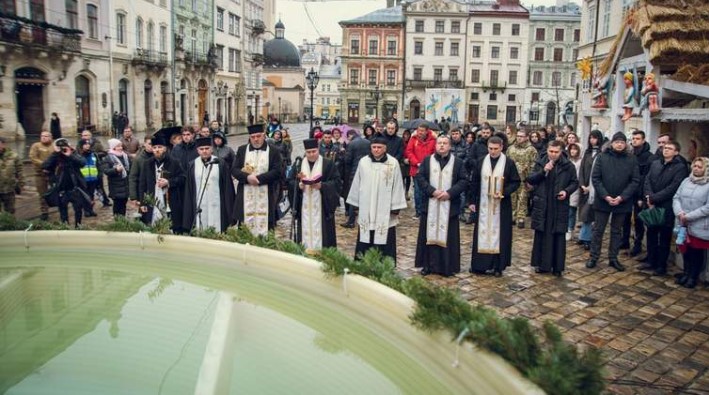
378, 191
443, 179
209, 190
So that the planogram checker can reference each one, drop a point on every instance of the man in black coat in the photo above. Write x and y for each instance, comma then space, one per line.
395, 145
161, 178
663, 180
443, 180
478, 150
182, 154
641, 150
136, 167
554, 180
357, 149
258, 168
64, 170
209, 190
615, 179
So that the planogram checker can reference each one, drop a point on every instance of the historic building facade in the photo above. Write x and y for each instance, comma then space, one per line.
554, 36
284, 90
372, 66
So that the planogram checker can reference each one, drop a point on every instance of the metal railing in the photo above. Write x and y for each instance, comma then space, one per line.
32, 33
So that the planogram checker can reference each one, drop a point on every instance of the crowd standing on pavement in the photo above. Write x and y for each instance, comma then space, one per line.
493, 179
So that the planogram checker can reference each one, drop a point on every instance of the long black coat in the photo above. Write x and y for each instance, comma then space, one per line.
118, 187
330, 186
395, 146
65, 170
459, 183
662, 181
176, 178
272, 178
615, 174
546, 206
226, 194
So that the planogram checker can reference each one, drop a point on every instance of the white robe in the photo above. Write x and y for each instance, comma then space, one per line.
311, 211
211, 215
256, 196
492, 180
377, 189
439, 210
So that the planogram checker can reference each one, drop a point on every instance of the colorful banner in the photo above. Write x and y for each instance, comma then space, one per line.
448, 103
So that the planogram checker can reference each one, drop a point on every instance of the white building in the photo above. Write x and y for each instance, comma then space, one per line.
328, 52
435, 34
228, 40
554, 36
497, 56
254, 29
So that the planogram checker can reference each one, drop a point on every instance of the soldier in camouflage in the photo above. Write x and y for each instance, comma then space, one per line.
11, 179
524, 155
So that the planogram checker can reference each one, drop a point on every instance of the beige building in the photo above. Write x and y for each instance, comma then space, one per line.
229, 90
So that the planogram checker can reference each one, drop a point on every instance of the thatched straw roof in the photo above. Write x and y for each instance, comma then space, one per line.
674, 32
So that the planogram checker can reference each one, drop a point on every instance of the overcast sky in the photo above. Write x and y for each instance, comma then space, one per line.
327, 13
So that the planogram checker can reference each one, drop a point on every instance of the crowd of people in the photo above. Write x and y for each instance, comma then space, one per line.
498, 180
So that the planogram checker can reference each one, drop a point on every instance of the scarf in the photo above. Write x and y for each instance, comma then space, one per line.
704, 178
122, 159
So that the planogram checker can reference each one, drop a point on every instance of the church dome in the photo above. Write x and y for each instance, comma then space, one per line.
280, 52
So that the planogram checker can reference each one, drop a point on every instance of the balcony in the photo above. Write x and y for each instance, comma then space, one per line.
199, 60
493, 86
434, 84
257, 59
150, 59
257, 27
35, 36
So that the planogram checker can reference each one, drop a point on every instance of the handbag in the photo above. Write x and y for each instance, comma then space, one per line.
52, 196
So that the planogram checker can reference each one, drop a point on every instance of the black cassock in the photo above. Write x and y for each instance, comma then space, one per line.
480, 262
192, 195
172, 171
550, 216
331, 184
441, 260
272, 178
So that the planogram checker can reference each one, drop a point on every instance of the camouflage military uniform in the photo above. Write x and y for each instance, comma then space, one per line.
524, 156
11, 180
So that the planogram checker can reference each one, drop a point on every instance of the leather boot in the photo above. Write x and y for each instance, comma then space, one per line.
616, 265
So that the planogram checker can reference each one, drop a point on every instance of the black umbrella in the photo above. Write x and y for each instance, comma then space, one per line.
166, 133
653, 216
414, 123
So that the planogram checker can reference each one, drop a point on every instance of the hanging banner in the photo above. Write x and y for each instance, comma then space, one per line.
447, 103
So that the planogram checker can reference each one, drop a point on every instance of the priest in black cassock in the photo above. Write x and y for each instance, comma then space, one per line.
554, 180
318, 195
209, 190
258, 168
443, 179
493, 180
162, 178
378, 190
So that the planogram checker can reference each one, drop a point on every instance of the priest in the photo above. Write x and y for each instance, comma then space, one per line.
378, 190
318, 196
258, 169
160, 185
209, 190
494, 179
443, 179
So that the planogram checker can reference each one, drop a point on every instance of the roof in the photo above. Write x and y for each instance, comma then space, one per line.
673, 33
493, 7
572, 10
280, 52
384, 15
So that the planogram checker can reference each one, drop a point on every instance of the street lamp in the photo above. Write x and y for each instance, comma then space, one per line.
280, 115
313, 78
376, 94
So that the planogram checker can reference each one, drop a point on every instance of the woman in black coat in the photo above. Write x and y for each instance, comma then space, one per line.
55, 126
585, 212
116, 167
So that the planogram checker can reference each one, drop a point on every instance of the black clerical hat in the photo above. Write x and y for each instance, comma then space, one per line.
203, 142
310, 143
257, 128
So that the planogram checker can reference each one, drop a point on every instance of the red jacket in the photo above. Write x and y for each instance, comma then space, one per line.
417, 150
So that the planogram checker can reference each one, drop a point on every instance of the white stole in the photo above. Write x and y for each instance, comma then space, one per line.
439, 210
211, 215
161, 203
311, 211
489, 207
377, 195
256, 196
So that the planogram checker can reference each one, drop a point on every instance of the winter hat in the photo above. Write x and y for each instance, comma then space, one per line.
113, 143
619, 136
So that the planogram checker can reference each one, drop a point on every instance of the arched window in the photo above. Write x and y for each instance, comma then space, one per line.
92, 20
139, 33
150, 36
123, 96
83, 101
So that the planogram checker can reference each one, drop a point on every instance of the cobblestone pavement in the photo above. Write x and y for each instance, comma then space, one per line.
654, 333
